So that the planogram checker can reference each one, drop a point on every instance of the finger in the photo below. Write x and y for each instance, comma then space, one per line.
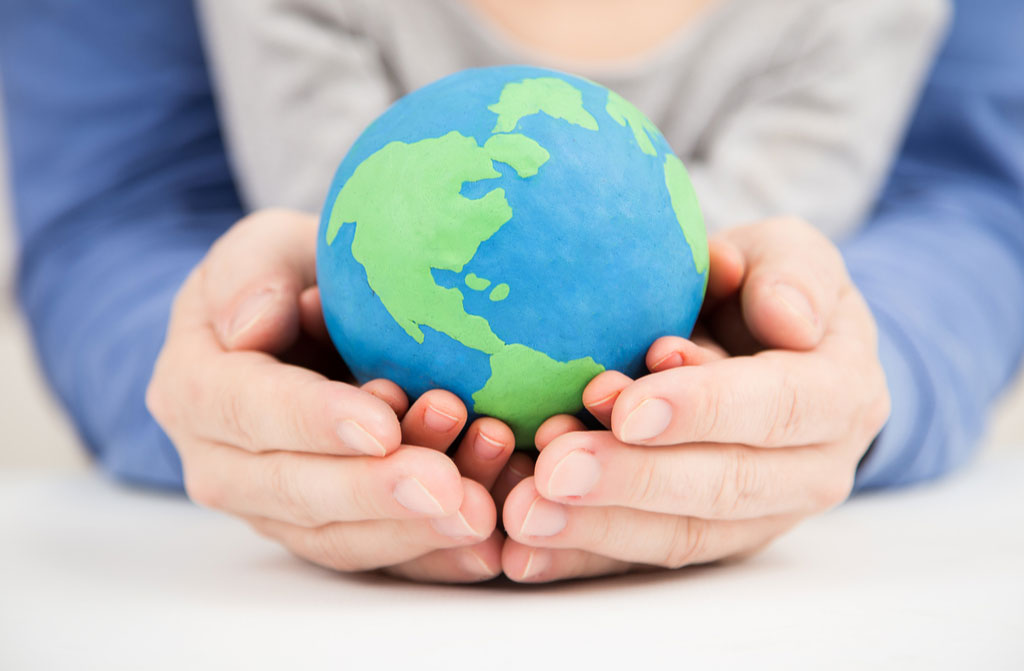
793, 281
727, 267
390, 393
519, 467
730, 329
668, 541
523, 563
251, 400
312, 490
772, 399
485, 450
702, 337
554, 427
362, 546
253, 277
455, 565
434, 420
711, 481
673, 352
600, 394
311, 315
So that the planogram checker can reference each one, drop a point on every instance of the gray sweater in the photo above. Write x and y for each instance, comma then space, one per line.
776, 106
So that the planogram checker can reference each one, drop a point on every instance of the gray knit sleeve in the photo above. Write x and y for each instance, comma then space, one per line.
813, 135
297, 81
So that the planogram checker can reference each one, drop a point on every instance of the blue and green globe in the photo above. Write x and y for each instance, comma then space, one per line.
507, 234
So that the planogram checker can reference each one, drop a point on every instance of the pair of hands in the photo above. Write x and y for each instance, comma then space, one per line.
737, 435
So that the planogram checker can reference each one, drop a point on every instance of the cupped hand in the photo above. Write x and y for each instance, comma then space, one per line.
305, 457
728, 443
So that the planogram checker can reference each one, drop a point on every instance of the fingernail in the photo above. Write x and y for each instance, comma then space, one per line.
601, 401
575, 475
537, 562
517, 473
439, 421
455, 526
796, 301
649, 419
672, 360
544, 518
249, 312
411, 494
487, 447
358, 439
474, 564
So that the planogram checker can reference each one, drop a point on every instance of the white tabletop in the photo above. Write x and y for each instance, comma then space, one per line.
94, 575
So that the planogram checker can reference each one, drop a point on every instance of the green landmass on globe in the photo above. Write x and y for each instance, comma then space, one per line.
525, 385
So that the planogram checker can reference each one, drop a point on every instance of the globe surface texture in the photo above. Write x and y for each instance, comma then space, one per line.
507, 234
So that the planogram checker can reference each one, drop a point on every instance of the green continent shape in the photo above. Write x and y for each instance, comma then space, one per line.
477, 283
526, 387
555, 97
623, 112
500, 292
410, 217
684, 203
524, 154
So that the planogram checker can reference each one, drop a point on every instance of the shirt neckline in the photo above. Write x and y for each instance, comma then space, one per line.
514, 50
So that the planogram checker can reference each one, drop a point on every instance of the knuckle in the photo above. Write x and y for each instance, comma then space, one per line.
292, 500
687, 542
329, 546
826, 255
829, 256
277, 216
603, 532
251, 220
232, 416
202, 489
709, 411
791, 226
310, 427
786, 413
867, 393
880, 405
794, 225
272, 218
156, 400
159, 395
740, 484
645, 484
878, 413
833, 491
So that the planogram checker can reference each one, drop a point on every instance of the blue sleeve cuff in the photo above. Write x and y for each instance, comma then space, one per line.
899, 441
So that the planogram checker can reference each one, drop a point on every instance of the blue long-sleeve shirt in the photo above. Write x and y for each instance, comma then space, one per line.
942, 261
121, 184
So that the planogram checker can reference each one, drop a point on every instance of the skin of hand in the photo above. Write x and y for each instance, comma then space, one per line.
730, 441
350, 478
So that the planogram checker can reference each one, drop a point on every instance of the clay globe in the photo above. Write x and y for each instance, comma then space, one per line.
507, 234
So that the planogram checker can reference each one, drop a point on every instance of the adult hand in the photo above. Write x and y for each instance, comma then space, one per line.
315, 463
713, 456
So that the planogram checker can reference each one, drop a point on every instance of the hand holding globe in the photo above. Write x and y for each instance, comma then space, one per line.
353, 478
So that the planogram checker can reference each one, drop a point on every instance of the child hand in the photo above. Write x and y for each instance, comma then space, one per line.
485, 459
314, 463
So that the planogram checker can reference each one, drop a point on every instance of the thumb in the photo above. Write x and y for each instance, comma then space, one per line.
794, 279
254, 276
